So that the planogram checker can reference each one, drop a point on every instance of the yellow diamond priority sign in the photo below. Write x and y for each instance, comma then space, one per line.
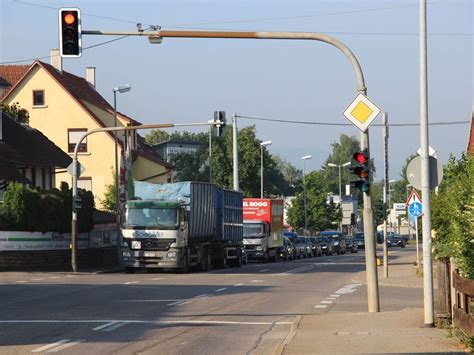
361, 112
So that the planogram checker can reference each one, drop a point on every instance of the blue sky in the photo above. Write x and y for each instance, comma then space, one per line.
186, 80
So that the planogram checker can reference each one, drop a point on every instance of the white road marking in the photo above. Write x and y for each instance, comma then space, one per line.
65, 346
183, 303
158, 278
350, 288
263, 270
54, 277
335, 295
165, 300
49, 346
326, 302
304, 268
100, 327
238, 285
221, 289
256, 281
22, 281
130, 282
172, 304
331, 298
71, 276
204, 295
113, 327
163, 322
321, 306
39, 279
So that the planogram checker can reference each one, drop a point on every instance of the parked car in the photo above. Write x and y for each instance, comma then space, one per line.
293, 237
351, 244
337, 240
316, 246
395, 241
326, 245
285, 251
305, 246
359, 239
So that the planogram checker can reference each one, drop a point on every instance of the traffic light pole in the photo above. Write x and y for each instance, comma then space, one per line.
74, 263
157, 37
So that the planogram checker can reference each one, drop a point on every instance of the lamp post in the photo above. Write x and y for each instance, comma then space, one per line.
340, 185
120, 89
306, 157
262, 144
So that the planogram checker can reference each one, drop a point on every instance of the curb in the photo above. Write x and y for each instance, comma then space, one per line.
289, 337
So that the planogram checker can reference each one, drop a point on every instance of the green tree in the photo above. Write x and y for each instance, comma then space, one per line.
17, 113
453, 214
290, 173
321, 215
342, 152
156, 136
109, 203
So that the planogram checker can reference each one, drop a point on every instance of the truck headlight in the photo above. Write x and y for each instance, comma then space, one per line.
171, 255
259, 248
126, 254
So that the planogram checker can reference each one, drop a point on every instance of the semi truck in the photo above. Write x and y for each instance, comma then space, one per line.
181, 225
263, 228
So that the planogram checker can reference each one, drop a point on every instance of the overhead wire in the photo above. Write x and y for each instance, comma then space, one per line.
445, 123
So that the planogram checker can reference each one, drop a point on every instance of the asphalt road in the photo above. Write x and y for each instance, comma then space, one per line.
234, 311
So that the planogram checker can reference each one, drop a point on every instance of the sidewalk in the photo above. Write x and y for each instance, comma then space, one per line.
398, 330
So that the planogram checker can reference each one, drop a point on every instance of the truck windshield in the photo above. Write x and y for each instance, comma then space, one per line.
253, 230
142, 218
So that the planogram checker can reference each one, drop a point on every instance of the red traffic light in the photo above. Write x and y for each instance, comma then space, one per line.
360, 157
69, 18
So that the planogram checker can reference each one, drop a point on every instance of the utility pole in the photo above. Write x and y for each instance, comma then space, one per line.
385, 189
210, 153
425, 174
235, 153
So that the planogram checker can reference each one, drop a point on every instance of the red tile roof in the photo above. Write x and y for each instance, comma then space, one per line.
81, 91
11, 74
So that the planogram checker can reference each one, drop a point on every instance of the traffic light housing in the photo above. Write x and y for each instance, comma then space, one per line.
70, 44
219, 116
360, 168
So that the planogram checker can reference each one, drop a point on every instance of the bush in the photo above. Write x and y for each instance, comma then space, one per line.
453, 215
26, 209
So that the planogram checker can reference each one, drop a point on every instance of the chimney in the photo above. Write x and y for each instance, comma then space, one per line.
90, 76
56, 60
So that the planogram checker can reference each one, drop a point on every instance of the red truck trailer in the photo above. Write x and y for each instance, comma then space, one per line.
263, 228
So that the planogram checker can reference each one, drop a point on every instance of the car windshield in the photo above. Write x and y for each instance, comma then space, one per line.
253, 230
148, 218
359, 236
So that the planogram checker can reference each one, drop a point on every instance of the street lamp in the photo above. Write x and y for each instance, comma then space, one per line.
340, 185
262, 144
120, 89
306, 157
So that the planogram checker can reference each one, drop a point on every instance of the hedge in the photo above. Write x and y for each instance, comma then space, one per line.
34, 210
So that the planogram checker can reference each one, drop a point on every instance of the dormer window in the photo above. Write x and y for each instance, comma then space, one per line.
38, 98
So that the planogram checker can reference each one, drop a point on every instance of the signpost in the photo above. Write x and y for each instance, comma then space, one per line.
415, 209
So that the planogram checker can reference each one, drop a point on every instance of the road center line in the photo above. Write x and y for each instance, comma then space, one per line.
238, 285
221, 289
100, 327
201, 296
130, 283
256, 281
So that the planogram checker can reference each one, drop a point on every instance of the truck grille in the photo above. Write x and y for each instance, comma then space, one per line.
157, 244
250, 247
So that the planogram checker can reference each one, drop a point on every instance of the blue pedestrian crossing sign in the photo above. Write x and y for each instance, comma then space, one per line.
415, 209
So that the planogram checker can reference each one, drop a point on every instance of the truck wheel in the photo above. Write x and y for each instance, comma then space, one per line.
205, 261
185, 268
